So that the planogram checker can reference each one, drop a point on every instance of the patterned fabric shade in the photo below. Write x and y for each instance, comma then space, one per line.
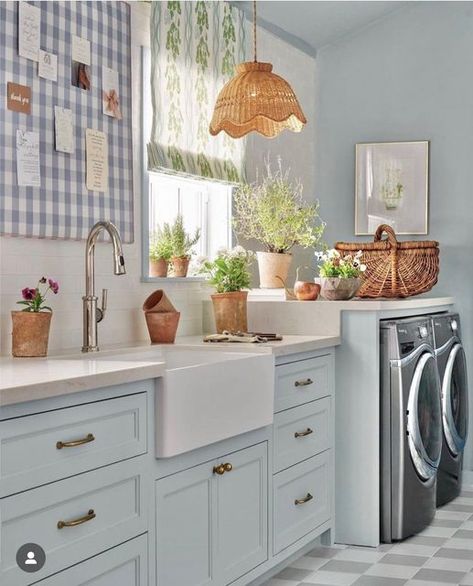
194, 49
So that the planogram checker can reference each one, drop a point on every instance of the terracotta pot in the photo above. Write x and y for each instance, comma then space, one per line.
162, 327
158, 302
272, 265
337, 289
180, 266
230, 310
158, 268
30, 334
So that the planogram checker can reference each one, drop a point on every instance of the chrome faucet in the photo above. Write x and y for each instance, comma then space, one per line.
92, 314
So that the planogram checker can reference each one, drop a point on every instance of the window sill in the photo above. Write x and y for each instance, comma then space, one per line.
172, 279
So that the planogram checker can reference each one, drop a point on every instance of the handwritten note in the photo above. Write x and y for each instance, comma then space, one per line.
29, 29
47, 65
27, 158
64, 130
80, 50
97, 160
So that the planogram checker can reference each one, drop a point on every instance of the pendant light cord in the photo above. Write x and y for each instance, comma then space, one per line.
254, 27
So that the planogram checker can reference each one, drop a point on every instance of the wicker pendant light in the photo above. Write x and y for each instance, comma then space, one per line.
258, 100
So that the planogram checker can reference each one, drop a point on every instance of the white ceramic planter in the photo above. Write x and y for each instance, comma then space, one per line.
272, 265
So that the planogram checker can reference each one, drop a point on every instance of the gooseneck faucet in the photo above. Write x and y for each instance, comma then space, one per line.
92, 314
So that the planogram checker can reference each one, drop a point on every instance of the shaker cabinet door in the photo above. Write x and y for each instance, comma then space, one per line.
183, 527
241, 513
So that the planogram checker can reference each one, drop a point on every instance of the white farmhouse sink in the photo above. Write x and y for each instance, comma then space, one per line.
208, 396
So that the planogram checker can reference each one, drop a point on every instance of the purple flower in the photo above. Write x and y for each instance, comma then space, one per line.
28, 294
54, 286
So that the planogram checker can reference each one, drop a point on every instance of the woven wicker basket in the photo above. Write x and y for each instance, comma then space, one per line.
395, 269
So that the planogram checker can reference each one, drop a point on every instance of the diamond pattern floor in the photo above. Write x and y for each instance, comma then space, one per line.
442, 555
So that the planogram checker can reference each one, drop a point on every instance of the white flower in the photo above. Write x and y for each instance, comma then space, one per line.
332, 253
359, 254
363, 268
238, 251
222, 251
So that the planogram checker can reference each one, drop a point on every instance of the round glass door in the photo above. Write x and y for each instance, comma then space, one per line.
455, 400
425, 417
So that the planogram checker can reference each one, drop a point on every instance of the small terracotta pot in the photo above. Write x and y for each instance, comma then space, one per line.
180, 266
230, 311
30, 333
158, 268
162, 327
338, 289
159, 302
272, 265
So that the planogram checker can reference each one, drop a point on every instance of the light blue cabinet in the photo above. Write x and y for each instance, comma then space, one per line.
212, 528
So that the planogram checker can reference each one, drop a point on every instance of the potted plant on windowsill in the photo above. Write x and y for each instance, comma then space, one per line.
181, 247
30, 333
274, 213
229, 274
340, 276
160, 252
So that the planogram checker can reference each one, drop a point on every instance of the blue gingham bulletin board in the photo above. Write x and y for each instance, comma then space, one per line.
63, 207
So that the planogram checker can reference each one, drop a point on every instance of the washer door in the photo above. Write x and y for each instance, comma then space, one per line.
424, 419
455, 400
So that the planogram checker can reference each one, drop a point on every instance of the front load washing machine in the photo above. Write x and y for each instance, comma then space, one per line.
451, 364
411, 427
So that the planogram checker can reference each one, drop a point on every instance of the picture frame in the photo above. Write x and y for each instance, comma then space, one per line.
392, 187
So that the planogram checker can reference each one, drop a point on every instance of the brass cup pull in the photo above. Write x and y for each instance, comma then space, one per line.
304, 382
222, 468
79, 442
308, 431
306, 499
90, 515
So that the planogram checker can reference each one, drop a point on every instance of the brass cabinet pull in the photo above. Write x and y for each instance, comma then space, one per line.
306, 499
90, 515
308, 431
222, 468
72, 444
304, 382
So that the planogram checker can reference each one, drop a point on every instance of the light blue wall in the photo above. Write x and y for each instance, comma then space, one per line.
407, 77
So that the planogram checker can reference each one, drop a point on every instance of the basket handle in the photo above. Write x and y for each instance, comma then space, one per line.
389, 231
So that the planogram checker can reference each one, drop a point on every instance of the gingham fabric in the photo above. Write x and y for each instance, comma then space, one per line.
63, 207
442, 555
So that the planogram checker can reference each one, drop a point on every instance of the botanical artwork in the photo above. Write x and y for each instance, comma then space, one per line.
194, 49
392, 187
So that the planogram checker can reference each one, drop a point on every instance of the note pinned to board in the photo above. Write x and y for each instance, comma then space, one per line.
47, 65
96, 147
29, 30
80, 50
27, 158
64, 130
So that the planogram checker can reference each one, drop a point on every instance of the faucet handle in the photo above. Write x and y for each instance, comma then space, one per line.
101, 311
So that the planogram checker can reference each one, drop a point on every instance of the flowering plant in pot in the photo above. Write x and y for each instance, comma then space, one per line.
181, 246
30, 334
340, 275
229, 274
273, 212
160, 251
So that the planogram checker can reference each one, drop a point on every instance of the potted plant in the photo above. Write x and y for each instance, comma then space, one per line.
340, 275
274, 213
160, 251
30, 334
181, 247
229, 274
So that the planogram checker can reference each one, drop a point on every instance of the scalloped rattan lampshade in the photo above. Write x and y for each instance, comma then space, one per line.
256, 100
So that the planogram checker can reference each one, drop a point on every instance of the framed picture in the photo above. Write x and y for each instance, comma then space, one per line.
392, 187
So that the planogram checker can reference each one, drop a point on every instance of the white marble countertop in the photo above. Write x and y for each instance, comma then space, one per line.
29, 379
292, 344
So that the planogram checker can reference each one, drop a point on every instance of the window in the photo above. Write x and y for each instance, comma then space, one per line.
206, 205
203, 204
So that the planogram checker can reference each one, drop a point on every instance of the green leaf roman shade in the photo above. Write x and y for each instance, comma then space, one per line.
194, 49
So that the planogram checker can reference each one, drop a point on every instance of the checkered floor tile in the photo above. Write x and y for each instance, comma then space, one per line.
442, 555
